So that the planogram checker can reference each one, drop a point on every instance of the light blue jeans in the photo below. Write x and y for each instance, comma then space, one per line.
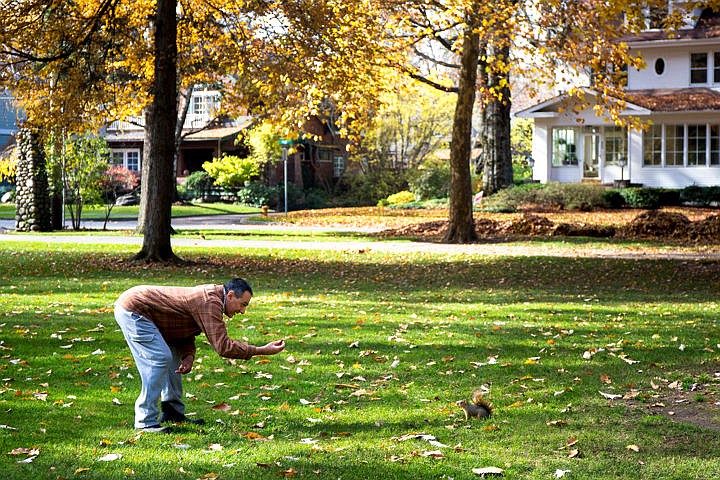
156, 362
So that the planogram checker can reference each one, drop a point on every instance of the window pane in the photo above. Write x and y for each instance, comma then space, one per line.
652, 146
716, 67
714, 145
615, 145
197, 105
674, 141
564, 147
697, 144
117, 158
324, 155
338, 165
698, 67
133, 160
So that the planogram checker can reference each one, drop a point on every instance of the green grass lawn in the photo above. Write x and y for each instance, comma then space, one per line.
379, 347
7, 211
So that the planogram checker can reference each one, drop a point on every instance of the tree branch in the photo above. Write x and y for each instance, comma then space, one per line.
435, 60
427, 81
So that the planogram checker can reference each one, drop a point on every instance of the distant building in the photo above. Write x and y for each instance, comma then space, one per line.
9, 117
206, 137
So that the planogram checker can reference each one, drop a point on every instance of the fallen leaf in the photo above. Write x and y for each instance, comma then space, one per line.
610, 396
633, 447
488, 471
110, 457
434, 454
222, 406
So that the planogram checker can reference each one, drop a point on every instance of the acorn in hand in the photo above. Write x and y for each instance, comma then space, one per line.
478, 407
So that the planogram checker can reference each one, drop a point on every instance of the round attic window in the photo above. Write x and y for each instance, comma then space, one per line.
659, 66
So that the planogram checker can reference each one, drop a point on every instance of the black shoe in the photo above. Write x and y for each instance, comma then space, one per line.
155, 429
169, 414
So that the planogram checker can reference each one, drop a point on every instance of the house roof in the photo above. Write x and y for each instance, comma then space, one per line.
214, 134
220, 133
677, 99
642, 102
706, 26
561, 104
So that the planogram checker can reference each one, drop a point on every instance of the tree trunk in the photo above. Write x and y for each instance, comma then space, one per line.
158, 177
495, 131
461, 227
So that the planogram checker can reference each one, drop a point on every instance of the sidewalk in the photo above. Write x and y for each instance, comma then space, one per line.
198, 222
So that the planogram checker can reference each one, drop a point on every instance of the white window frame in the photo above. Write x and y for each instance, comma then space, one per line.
338, 165
707, 133
615, 147
124, 154
700, 154
562, 155
711, 69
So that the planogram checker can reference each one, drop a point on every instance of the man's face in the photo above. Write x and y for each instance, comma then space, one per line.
235, 305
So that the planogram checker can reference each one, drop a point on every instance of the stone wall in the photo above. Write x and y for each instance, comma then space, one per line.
32, 198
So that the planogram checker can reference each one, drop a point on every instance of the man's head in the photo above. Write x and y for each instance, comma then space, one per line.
237, 296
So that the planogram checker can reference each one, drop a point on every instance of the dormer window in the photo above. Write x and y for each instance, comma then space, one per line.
656, 17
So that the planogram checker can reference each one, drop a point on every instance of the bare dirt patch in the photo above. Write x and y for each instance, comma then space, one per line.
697, 404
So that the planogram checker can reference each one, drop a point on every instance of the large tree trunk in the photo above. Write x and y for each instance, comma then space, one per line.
461, 227
495, 130
158, 177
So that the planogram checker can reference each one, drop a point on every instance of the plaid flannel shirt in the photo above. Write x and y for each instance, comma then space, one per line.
182, 313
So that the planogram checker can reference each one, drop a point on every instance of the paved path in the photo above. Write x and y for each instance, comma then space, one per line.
240, 223
204, 222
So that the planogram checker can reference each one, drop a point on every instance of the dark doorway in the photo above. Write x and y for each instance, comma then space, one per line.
193, 158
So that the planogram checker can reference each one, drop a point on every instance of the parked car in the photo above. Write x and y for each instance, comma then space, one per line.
129, 199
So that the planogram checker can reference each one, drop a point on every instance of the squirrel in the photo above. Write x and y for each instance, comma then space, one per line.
478, 407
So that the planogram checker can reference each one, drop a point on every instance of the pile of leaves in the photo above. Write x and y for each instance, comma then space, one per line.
652, 224
658, 224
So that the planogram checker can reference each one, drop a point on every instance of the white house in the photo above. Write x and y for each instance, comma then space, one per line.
679, 92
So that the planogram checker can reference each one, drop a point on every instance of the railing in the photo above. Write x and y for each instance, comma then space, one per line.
192, 121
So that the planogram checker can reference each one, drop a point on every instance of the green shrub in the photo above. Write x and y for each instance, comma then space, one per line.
639, 197
613, 198
401, 197
700, 196
199, 183
576, 196
669, 197
231, 171
553, 196
369, 188
432, 181
258, 194
315, 198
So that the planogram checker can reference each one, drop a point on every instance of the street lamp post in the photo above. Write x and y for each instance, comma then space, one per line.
285, 144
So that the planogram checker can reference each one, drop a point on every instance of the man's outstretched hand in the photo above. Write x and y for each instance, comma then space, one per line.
272, 348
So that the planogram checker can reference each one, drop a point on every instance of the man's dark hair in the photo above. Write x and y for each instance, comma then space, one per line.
238, 285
